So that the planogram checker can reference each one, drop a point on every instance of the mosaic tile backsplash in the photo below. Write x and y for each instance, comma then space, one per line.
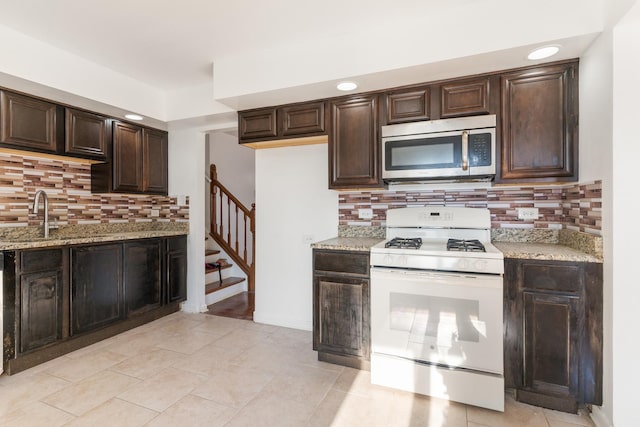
575, 207
68, 187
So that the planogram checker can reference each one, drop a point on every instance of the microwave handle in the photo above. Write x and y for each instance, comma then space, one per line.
465, 150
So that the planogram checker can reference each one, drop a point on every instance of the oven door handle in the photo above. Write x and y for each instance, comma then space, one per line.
419, 273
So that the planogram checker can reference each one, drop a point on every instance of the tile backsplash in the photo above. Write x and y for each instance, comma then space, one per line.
68, 187
572, 206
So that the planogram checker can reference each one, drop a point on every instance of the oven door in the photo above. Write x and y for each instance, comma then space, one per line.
441, 318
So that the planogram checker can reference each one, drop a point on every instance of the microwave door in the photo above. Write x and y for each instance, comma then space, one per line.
425, 156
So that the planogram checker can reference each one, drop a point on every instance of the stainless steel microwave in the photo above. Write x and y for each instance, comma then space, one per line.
453, 149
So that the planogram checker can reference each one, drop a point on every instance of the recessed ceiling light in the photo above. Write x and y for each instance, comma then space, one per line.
346, 86
543, 52
133, 117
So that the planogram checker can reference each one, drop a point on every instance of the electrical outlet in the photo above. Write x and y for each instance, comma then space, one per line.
365, 213
307, 239
528, 213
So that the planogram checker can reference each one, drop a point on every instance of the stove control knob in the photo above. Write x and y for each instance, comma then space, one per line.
481, 265
388, 260
463, 264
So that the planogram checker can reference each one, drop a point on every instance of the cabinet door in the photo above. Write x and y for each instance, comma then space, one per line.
354, 148
155, 161
41, 314
257, 124
87, 134
142, 278
176, 269
464, 98
343, 314
408, 106
127, 158
539, 124
302, 119
28, 123
551, 356
96, 286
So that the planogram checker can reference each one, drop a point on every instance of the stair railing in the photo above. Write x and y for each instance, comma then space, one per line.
233, 227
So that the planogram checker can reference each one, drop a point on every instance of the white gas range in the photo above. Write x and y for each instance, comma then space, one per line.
436, 306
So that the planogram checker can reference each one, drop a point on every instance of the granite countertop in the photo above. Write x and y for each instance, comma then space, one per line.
358, 244
543, 251
15, 238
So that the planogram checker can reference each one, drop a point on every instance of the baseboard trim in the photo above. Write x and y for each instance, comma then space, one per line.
599, 418
286, 322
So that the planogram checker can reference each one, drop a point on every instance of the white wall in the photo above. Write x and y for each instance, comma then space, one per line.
413, 36
235, 164
186, 177
42, 63
293, 205
596, 162
625, 207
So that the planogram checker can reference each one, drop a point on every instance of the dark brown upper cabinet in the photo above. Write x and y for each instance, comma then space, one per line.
257, 124
408, 105
86, 134
139, 162
540, 124
127, 157
354, 145
464, 98
155, 147
302, 119
30, 123
288, 121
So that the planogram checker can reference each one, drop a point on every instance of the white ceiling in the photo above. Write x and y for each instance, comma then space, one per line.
172, 45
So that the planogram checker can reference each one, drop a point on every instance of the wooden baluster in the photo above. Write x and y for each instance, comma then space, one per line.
229, 221
221, 233
244, 256
236, 237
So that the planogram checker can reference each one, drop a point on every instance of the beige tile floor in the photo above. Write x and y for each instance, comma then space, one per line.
197, 369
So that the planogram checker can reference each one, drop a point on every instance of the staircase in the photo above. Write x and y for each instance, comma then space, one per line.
231, 284
233, 232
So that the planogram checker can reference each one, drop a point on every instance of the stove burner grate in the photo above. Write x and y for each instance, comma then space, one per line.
404, 243
461, 245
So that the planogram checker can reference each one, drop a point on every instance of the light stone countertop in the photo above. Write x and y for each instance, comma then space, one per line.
543, 251
17, 238
357, 244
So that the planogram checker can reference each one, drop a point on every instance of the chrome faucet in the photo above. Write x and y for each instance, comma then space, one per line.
36, 201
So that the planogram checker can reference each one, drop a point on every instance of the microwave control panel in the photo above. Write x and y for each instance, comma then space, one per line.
480, 149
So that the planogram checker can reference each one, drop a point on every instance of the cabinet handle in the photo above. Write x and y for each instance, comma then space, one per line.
465, 150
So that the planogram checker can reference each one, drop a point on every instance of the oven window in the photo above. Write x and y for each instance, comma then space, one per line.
426, 153
449, 320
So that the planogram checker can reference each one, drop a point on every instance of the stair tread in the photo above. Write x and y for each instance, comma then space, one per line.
216, 285
211, 252
209, 268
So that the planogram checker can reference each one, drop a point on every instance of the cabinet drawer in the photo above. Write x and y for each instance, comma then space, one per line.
342, 262
39, 260
551, 277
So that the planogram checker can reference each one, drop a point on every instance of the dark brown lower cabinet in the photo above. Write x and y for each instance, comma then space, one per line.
41, 293
142, 276
57, 300
341, 331
96, 286
176, 269
553, 332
